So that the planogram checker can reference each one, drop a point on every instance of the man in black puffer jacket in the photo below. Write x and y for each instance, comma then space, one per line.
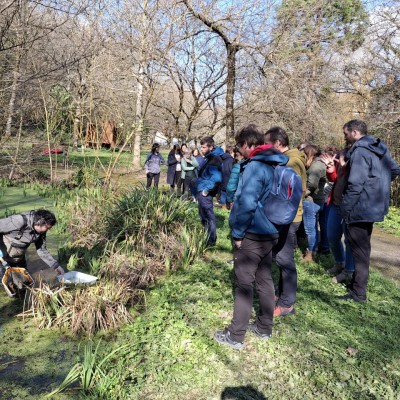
365, 198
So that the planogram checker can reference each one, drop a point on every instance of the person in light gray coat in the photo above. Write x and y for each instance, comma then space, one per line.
17, 232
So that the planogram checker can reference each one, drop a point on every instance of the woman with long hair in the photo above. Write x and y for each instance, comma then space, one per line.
175, 169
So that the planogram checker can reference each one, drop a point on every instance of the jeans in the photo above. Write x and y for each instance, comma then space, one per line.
310, 219
207, 217
252, 265
222, 198
284, 257
188, 185
150, 177
336, 229
323, 225
360, 241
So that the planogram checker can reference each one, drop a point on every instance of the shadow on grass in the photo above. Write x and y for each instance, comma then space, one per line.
242, 393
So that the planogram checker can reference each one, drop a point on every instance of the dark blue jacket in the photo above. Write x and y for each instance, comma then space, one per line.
227, 164
367, 193
255, 182
210, 174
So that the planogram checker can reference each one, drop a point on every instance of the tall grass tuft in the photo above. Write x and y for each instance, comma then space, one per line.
89, 372
80, 309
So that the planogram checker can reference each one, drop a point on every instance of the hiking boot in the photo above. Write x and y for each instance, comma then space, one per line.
351, 296
253, 328
224, 337
336, 269
343, 277
309, 256
280, 311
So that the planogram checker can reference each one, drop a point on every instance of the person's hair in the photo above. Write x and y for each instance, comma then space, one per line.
251, 135
194, 150
277, 133
209, 140
302, 145
331, 150
184, 144
229, 148
356, 125
43, 217
154, 147
311, 151
176, 150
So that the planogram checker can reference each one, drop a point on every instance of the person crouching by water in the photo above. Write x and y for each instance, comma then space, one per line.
17, 232
152, 165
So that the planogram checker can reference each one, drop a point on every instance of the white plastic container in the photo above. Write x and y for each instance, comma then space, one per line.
75, 277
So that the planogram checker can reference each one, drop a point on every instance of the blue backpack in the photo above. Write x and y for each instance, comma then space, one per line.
282, 203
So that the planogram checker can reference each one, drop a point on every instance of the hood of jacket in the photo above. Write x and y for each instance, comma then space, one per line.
296, 154
268, 155
370, 143
218, 151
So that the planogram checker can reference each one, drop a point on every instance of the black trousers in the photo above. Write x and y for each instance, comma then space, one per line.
150, 177
360, 242
284, 256
252, 265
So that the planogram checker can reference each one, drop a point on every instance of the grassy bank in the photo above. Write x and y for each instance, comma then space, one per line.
327, 350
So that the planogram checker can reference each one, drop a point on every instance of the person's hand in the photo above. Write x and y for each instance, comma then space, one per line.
328, 160
59, 270
238, 244
204, 193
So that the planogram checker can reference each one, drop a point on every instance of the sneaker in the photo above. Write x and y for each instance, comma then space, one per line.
351, 297
336, 269
224, 337
253, 328
283, 311
343, 277
230, 262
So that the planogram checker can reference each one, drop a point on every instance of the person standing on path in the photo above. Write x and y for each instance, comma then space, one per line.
254, 237
344, 263
284, 249
152, 165
210, 177
365, 198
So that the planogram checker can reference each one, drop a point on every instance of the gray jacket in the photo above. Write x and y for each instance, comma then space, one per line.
17, 233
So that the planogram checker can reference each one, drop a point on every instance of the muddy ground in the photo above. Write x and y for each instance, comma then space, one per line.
385, 254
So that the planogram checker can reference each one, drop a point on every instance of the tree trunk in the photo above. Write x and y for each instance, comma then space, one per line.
139, 120
15, 160
230, 91
11, 104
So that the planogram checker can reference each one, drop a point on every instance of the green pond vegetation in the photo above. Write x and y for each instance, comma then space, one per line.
179, 294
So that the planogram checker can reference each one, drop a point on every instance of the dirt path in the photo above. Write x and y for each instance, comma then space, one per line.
385, 254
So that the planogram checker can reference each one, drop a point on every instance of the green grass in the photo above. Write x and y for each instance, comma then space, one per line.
391, 224
308, 357
328, 350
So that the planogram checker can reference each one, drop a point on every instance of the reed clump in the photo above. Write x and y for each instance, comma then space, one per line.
80, 309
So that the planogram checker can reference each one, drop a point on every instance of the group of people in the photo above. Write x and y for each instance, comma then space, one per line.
183, 166
346, 191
